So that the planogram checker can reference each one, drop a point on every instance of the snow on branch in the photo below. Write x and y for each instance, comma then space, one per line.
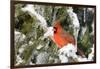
32, 12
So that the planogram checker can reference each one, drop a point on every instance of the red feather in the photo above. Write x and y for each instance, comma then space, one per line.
61, 37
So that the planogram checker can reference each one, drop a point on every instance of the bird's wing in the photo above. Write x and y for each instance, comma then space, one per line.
67, 37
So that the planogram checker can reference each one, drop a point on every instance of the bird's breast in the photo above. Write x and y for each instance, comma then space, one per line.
63, 40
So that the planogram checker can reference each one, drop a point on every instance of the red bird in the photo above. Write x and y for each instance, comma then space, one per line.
62, 38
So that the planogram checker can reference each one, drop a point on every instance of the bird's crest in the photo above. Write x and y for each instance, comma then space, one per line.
57, 26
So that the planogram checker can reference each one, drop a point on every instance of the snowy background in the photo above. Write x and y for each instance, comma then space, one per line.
5, 46
33, 47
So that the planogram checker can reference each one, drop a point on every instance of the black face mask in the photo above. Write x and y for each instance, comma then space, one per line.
55, 29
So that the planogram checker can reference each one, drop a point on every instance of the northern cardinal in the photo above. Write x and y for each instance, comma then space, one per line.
61, 37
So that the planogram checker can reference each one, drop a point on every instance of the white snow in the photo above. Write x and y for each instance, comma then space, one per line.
31, 63
91, 55
73, 17
83, 30
42, 58
30, 43
81, 59
39, 47
70, 51
19, 60
49, 32
42, 21
63, 58
67, 51
19, 36
90, 9
92, 27
21, 50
